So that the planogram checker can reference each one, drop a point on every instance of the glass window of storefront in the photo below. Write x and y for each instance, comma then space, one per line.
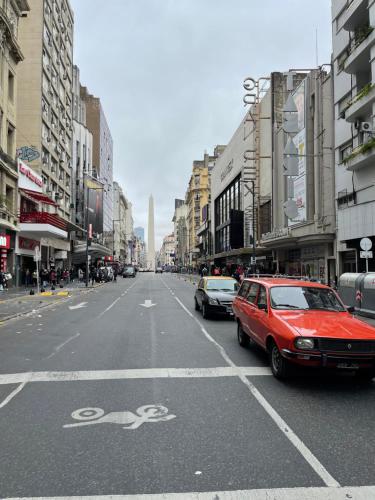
229, 200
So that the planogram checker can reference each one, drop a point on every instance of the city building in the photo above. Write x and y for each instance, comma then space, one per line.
241, 185
129, 228
44, 122
140, 258
168, 251
82, 153
198, 196
102, 159
139, 232
302, 237
151, 235
10, 59
353, 37
181, 233
120, 233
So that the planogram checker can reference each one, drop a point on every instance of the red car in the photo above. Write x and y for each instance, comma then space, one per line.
303, 323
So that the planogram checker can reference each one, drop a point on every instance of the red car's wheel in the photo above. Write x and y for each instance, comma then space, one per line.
243, 339
280, 366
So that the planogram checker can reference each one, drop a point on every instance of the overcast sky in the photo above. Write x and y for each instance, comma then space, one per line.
169, 74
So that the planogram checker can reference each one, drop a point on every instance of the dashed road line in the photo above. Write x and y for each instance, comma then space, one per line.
115, 302
310, 458
59, 347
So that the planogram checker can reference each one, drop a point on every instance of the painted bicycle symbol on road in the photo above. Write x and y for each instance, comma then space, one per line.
128, 419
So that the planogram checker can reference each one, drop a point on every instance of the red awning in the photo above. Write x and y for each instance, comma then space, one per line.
39, 197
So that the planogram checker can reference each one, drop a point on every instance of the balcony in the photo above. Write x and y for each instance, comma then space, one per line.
359, 58
361, 106
43, 225
361, 157
355, 15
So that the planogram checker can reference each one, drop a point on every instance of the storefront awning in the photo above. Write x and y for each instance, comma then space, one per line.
39, 197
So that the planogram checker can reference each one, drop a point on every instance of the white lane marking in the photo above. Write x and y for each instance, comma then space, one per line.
148, 303
146, 373
304, 493
114, 302
59, 347
78, 306
13, 394
310, 458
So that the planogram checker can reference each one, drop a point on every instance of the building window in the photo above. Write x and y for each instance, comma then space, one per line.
11, 86
345, 151
341, 59
345, 199
228, 218
10, 140
343, 105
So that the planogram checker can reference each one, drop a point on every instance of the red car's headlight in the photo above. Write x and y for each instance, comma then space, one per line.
305, 343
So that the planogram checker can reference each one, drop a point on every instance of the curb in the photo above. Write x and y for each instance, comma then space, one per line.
68, 297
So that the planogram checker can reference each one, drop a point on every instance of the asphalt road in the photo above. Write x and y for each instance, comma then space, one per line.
127, 392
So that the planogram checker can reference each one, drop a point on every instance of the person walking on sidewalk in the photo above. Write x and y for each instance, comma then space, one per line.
80, 274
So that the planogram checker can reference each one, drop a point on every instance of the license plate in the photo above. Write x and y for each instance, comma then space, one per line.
348, 366
230, 310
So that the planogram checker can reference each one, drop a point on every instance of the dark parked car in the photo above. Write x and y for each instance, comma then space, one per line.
215, 295
128, 272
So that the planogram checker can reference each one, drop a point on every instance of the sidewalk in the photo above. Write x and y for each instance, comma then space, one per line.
18, 301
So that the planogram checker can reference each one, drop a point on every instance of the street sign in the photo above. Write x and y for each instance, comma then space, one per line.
253, 260
365, 254
36, 254
365, 244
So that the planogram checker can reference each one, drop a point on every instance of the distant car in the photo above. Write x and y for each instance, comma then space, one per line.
128, 272
303, 323
159, 270
215, 295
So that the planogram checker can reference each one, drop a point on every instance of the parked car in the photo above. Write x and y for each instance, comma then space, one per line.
128, 272
214, 295
159, 270
303, 323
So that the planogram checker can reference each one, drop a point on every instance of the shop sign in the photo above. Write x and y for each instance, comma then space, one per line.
226, 171
280, 232
5, 241
28, 178
27, 244
108, 258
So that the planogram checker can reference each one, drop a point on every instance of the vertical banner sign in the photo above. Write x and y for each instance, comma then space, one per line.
300, 143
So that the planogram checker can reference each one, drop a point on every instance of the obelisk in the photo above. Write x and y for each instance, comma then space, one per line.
151, 235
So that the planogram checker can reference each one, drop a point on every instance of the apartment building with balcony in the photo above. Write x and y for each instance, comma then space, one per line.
353, 36
120, 236
180, 224
44, 111
168, 251
198, 195
11, 57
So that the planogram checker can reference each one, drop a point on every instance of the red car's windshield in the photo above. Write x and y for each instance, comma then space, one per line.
301, 297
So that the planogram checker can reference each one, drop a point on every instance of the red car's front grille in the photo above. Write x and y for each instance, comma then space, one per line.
348, 346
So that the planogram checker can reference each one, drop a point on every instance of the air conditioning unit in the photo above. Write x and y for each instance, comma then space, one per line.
365, 127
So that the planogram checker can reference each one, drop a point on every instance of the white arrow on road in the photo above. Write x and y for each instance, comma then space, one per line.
148, 304
78, 306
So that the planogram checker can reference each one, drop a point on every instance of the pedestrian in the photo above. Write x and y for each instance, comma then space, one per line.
204, 271
80, 274
27, 277
52, 277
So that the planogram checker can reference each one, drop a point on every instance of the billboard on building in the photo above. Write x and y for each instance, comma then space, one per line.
299, 182
95, 210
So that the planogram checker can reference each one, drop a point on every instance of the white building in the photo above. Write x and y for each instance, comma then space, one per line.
119, 236
353, 37
180, 222
168, 250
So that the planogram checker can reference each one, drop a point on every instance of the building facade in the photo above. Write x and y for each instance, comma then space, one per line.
198, 195
168, 250
102, 158
120, 219
10, 58
180, 223
44, 117
302, 238
353, 37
